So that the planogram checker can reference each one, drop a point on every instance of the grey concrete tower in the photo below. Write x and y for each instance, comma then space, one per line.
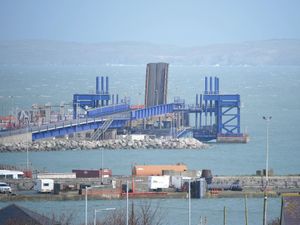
156, 84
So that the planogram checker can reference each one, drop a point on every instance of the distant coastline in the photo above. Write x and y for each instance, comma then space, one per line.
251, 53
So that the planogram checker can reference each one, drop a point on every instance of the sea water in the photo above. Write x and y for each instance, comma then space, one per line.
173, 211
265, 91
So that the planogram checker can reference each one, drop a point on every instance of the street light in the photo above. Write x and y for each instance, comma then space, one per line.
86, 190
102, 162
127, 214
27, 143
267, 119
189, 201
99, 210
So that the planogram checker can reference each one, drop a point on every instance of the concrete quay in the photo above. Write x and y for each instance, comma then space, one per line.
276, 183
252, 187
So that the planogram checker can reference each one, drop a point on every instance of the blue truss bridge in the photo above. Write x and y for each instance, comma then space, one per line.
117, 116
216, 116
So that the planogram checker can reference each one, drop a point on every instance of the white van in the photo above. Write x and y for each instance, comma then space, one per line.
4, 188
44, 185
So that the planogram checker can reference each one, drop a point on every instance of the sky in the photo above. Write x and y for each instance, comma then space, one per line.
174, 22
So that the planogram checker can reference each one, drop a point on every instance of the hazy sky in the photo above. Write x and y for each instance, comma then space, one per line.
182, 22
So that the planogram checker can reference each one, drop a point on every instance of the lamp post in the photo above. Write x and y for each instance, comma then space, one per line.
99, 210
267, 119
189, 202
86, 190
27, 143
127, 216
102, 163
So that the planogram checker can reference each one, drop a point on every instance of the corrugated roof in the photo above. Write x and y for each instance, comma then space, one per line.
14, 214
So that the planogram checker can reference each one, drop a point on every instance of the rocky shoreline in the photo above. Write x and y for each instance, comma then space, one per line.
124, 143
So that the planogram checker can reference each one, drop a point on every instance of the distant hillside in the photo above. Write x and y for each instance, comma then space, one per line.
269, 52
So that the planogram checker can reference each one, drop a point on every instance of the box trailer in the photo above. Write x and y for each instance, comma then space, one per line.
176, 182
93, 173
56, 176
157, 170
44, 185
158, 182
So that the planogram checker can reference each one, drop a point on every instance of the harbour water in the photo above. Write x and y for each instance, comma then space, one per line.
173, 211
264, 91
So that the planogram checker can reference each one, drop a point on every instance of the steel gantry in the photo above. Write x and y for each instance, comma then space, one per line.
216, 114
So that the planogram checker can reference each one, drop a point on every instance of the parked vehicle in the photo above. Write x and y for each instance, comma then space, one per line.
11, 174
4, 188
44, 185
158, 182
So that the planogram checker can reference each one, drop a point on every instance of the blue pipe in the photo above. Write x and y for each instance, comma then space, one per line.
200, 116
210, 85
205, 92
97, 86
102, 84
215, 86
200, 98
106, 85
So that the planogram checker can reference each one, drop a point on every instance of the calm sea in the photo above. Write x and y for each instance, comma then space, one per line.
174, 211
264, 91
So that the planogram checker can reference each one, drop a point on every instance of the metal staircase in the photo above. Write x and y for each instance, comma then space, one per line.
101, 130
185, 132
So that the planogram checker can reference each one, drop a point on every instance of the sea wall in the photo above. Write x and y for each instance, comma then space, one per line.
124, 143
15, 139
248, 183
257, 182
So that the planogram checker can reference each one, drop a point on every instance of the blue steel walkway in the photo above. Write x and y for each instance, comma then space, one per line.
119, 121
74, 127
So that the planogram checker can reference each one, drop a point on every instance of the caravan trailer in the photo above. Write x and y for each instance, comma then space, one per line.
44, 185
11, 174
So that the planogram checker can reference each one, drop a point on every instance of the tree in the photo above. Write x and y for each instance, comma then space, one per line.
144, 214
275, 221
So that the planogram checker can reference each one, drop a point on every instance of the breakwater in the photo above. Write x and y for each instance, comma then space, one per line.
124, 143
